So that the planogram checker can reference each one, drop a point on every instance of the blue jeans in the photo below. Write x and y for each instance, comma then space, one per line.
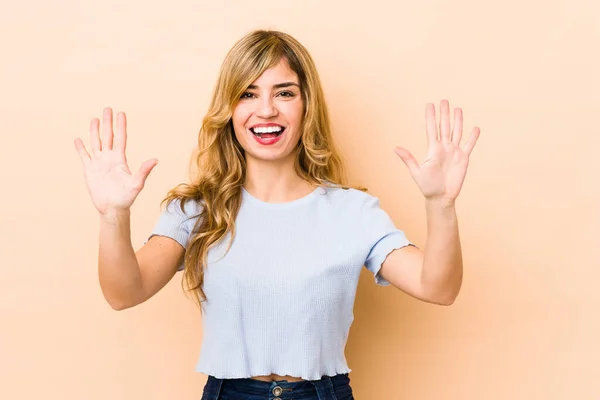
327, 388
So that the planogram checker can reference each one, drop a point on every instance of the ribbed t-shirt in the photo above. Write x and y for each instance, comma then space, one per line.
281, 300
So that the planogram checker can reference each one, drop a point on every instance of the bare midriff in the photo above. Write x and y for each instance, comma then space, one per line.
275, 377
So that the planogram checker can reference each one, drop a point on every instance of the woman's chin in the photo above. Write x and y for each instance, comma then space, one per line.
270, 155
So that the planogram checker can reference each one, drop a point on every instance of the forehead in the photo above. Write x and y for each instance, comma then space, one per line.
280, 73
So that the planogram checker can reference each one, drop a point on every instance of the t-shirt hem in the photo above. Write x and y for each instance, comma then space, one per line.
307, 377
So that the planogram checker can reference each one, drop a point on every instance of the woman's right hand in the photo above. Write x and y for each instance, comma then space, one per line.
109, 181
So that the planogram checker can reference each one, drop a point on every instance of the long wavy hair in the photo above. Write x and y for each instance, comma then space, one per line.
220, 164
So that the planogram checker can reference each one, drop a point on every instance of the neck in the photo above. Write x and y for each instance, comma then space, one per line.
275, 181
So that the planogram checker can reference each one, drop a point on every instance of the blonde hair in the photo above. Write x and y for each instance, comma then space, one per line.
220, 163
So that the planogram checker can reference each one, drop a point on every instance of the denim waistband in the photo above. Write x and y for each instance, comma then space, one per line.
325, 387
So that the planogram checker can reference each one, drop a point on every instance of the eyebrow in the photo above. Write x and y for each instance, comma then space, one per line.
278, 86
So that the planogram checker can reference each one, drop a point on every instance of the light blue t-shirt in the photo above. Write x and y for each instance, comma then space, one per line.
281, 300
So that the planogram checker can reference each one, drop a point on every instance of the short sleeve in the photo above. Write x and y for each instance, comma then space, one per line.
382, 237
177, 224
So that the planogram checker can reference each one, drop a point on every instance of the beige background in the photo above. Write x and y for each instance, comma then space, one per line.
525, 326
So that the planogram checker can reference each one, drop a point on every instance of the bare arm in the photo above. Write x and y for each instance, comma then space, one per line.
441, 277
434, 276
128, 278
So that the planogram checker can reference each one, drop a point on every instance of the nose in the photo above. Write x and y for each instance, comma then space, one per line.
266, 108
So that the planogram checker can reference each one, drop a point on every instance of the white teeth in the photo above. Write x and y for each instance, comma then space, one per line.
270, 129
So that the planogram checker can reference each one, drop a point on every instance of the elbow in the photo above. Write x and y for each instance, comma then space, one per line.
448, 301
442, 301
445, 295
119, 304
120, 300
449, 298
443, 298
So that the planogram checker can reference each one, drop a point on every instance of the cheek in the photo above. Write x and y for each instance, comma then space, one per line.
294, 113
239, 118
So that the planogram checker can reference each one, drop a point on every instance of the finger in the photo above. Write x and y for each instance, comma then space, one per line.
83, 154
95, 143
120, 140
408, 159
458, 127
144, 171
107, 129
432, 133
445, 121
470, 144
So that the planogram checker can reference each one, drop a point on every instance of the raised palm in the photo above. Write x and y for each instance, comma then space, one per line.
109, 180
441, 175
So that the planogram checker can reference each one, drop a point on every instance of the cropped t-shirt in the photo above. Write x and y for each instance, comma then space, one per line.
281, 300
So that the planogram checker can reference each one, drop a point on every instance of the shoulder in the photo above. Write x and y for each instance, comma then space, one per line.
348, 202
349, 196
183, 207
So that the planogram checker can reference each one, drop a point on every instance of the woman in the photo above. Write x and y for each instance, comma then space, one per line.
269, 236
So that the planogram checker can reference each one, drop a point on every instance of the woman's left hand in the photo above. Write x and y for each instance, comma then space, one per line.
441, 175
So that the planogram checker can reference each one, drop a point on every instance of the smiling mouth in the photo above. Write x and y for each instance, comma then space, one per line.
267, 133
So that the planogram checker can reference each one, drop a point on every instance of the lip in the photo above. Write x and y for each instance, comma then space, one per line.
266, 142
270, 141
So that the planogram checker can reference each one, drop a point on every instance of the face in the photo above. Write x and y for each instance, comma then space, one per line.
267, 120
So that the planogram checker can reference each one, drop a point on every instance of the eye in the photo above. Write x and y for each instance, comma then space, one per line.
287, 94
246, 95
